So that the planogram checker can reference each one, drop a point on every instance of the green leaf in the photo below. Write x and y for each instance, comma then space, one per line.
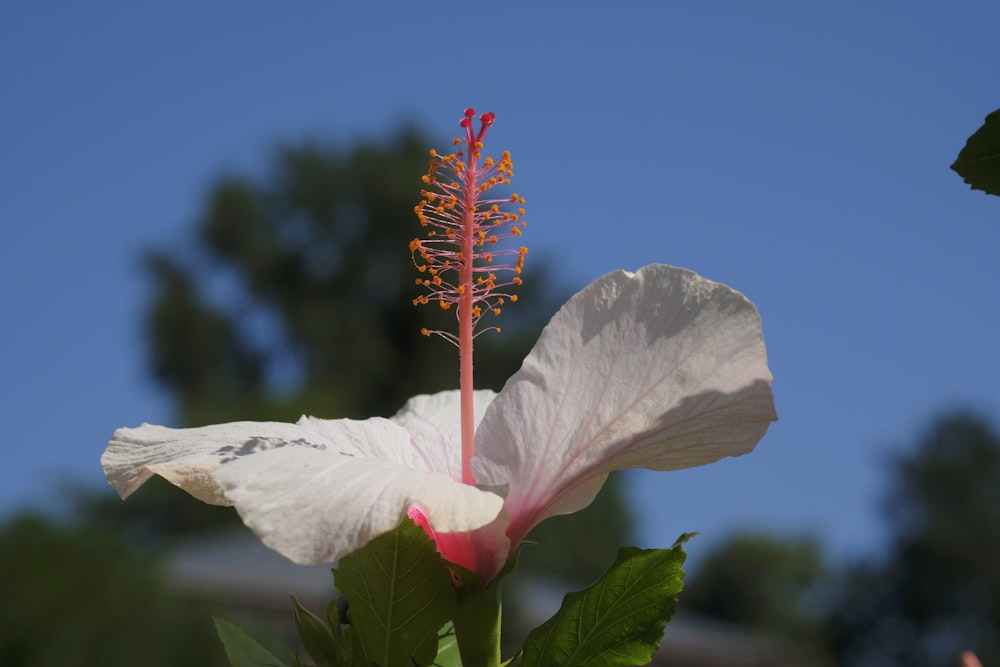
331, 614
399, 594
447, 651
979, 162
241, 650
319, 637
617, 621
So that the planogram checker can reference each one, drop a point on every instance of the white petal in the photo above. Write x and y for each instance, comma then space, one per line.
434, 423
314, 506
186, 457
660, 369
314, 490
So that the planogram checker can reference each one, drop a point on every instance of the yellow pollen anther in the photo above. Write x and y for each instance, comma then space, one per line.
455, 214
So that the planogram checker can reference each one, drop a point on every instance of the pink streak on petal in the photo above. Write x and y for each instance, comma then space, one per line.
660, 369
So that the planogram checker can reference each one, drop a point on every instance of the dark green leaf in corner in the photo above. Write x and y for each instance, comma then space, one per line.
979, 162
619, 620
243, 651
399, 595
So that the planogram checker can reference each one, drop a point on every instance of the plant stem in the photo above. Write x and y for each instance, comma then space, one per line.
477, 624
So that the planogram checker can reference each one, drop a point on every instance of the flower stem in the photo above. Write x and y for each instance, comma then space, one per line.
477, 624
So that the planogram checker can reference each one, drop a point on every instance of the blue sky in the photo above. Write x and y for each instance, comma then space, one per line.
796, 152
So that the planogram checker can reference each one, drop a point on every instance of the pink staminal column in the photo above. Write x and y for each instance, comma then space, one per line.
466, 254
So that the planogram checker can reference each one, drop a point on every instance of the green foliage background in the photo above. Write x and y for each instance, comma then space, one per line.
76, 594
933, 593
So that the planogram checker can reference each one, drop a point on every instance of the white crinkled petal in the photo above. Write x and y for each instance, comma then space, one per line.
187, 457
659, 369
315, 506
314, 490
435, 426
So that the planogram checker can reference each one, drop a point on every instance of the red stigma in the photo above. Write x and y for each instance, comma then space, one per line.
467, 121
485, 121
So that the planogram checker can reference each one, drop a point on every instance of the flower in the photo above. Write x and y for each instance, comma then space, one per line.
659, 369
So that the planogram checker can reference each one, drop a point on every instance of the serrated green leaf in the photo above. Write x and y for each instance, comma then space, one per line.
979, 162
399, 595
241, 650
619, 620
319, 639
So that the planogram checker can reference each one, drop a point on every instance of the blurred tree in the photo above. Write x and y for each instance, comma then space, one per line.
938, 592
765, 583
296, 297
75, 596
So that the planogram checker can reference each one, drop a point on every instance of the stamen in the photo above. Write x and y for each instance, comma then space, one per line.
456, 211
